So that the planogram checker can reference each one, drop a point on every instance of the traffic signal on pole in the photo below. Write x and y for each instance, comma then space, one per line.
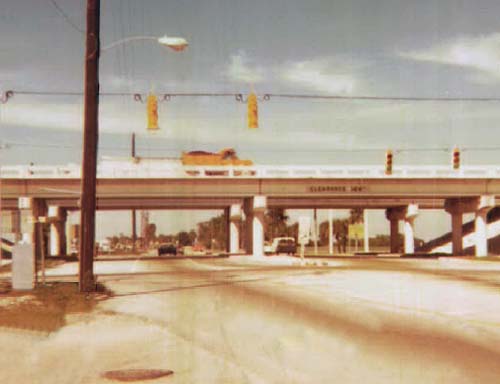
152, 106
253, 116
455, 158
388, 162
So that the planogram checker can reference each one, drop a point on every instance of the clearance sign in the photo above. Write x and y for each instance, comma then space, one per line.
356, 231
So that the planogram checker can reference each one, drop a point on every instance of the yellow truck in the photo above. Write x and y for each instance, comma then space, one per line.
226, 156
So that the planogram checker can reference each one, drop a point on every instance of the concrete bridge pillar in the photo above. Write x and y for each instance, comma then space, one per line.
15, 223
409, 234
394, 237
481, 205
255, 208
34, 232
485, 204
408, 214
234, 223
38, 212
57, 219
456, 209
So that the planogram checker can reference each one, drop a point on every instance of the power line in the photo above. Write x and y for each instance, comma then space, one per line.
66, 17
10, 144
268, 96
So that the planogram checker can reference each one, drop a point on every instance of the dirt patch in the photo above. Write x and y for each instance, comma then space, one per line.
45, 308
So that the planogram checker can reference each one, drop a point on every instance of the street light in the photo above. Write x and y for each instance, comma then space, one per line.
90, 136
176, 43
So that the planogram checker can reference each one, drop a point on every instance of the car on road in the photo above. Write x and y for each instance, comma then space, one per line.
286, 245
268, 247
193, 250
282, 245
167, 249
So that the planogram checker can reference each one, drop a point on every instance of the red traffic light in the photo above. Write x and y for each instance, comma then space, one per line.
388, 162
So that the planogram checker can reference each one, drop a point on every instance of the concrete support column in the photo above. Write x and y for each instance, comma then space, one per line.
54, 240
316, 231
485, 204
366, 232
234, 222
248, 227
408, 214
34, 232
15, 222
254, 208
456, 208
481, 235
57, 219
394, 236
330, 232
456, 233
394, 215
258, 233
409, 234
134, 229
480, 206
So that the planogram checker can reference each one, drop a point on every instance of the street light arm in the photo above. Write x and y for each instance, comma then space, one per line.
126, 40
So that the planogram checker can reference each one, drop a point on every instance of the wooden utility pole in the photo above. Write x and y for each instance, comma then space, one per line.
90, 139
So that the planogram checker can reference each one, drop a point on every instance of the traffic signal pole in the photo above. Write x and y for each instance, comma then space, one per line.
90, 140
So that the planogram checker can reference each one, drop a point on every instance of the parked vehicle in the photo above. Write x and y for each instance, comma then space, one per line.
105, 246
268, 248
193, 250
167, 249
282, 245
286, 245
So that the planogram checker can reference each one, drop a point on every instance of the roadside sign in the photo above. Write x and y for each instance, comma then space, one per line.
356, 231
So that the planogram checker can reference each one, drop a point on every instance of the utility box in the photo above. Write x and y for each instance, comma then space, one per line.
23, 267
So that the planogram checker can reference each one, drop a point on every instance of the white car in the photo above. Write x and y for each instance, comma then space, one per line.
268, 248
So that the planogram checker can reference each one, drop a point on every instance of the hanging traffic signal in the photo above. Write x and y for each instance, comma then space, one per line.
388, 162
152, 107
253, 117
455, 158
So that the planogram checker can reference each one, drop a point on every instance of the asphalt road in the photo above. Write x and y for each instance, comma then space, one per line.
238, 320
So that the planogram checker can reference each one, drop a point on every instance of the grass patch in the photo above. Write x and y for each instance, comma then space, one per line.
45, 308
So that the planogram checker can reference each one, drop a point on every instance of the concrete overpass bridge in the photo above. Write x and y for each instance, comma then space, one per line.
245, 193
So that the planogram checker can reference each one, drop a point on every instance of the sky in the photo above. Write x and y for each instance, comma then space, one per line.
445, 48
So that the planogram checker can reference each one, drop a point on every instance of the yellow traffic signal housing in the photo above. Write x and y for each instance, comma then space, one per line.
455, 158
388, 162
152, 107
253, 116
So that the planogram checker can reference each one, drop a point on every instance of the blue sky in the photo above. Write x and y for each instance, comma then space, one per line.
446, 48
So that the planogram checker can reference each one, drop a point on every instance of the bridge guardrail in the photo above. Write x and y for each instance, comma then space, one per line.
133, 170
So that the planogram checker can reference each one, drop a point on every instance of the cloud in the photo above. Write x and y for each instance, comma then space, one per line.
478, 53
241, 70
324, 75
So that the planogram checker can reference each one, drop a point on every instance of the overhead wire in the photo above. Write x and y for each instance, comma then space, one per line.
268, 96
65, 16
332, 150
